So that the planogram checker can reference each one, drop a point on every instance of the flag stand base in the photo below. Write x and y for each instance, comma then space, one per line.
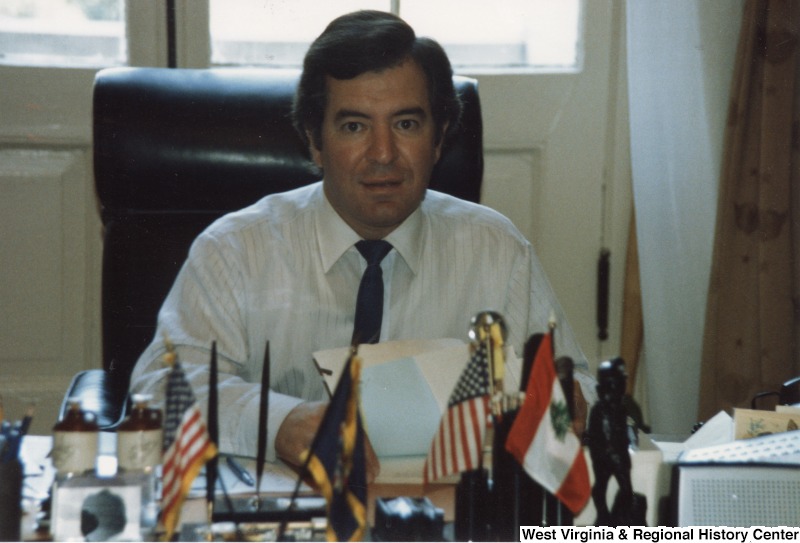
246, 509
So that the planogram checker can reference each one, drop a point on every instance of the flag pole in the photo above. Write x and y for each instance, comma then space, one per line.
293, 499
261, 452
547, 498
213, 434
476, 388
304, 469
486, 339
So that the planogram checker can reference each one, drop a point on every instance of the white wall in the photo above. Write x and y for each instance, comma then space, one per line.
557, 165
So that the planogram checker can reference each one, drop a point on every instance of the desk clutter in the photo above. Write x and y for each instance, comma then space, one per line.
97, 498
513, 458
147, 490
512, 453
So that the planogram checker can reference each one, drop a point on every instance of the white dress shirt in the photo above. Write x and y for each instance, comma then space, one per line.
285, 270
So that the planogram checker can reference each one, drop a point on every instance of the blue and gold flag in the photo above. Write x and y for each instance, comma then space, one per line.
337, 460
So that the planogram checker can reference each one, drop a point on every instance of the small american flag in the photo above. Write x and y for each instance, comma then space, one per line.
187, 446
458, 444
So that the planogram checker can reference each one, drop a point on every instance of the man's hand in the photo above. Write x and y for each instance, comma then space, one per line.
298, 430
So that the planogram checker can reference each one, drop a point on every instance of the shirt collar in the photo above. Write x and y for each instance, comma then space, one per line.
336, 237
407, 239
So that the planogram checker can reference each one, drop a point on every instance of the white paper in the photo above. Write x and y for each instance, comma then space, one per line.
405, 386
715, 431
277, 478
400, 412
331, 361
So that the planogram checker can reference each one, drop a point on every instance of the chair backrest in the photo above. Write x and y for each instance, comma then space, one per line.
176, 148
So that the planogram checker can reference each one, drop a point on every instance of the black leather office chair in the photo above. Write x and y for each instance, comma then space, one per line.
173, 150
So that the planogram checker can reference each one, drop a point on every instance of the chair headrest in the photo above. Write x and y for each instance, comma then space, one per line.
216, 140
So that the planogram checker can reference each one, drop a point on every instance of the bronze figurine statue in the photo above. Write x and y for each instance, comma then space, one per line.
608, 440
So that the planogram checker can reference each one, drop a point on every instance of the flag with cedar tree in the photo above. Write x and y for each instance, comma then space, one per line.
542, 439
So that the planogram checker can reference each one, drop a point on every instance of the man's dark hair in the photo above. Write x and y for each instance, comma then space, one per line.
368, 41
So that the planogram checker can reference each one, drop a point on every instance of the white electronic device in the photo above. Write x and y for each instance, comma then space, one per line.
749, 482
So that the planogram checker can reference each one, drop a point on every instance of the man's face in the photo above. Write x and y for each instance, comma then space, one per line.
378, 147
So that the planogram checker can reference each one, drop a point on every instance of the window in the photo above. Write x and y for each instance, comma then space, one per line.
62, 32
273, 32
504, 34
477, 34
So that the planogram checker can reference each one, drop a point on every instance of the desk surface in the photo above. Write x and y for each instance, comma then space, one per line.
399, 477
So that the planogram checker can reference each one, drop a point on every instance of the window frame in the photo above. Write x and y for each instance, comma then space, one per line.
146, 43
483, 67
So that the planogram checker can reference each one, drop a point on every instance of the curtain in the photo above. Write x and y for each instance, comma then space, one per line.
751, 315
632, 337
680, 60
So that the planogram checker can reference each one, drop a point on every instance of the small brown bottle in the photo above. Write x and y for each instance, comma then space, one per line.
140, 436
75, 441
139, 444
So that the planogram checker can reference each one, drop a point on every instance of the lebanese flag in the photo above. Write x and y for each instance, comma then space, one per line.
542, 439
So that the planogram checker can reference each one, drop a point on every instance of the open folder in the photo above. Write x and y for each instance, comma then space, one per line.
405, 386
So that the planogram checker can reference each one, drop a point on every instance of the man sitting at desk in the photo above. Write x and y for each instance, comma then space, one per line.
375, 105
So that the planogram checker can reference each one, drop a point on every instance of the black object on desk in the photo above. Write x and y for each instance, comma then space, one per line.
268, 509
472, 515
407, 519
11, 474
517, 500
10, 499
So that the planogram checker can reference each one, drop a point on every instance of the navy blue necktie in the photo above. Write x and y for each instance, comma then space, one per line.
369, 304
